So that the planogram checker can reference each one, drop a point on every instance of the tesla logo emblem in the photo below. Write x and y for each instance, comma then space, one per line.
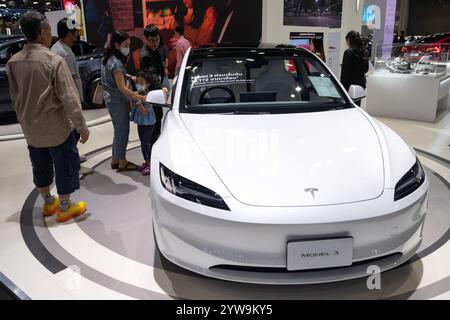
312, 191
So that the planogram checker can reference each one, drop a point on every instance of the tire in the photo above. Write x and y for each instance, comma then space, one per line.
94, 97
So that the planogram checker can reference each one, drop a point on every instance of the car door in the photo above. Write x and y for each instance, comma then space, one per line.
89, 63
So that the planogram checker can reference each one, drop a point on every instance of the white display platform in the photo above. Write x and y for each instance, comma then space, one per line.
407, 96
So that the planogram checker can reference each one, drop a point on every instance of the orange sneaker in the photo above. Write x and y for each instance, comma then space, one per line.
75, 210
50, 209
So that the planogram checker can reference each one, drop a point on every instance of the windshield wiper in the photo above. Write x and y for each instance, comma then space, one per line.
244, 113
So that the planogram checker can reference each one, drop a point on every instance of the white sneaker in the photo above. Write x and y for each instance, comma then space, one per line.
86, 171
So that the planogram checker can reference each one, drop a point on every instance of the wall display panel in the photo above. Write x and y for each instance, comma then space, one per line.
205, 21
302, 39
334, 51
314, 13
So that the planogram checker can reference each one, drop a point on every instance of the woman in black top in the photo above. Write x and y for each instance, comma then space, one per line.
355, 64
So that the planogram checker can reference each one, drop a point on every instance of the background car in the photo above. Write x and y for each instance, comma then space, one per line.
5, 38
89, 62
412, 38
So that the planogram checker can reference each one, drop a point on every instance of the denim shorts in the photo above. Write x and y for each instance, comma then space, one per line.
61, 162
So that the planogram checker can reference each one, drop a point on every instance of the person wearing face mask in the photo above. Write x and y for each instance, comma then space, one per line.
68, 36
144, 116
48, 108
117, 97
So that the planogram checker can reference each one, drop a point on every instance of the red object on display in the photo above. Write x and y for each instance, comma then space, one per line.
69, 4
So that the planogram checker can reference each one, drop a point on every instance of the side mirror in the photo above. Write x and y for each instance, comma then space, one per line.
357, 93
158, 98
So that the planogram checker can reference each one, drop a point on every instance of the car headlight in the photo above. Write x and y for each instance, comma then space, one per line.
410, 182
190, 190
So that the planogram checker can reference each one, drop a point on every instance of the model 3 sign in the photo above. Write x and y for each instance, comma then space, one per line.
321, 254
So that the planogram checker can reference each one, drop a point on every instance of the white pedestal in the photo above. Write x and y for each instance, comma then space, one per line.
407, 96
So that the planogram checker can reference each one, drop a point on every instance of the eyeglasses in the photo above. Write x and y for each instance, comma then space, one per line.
154, 40
42, 20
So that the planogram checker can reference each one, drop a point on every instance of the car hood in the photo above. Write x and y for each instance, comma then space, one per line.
309, 159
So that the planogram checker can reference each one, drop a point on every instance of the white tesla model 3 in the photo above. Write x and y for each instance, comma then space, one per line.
267, 172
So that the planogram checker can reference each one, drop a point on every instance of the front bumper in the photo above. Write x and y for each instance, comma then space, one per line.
256, 252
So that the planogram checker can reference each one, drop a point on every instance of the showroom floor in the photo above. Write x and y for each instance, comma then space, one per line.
110, 252
10, 127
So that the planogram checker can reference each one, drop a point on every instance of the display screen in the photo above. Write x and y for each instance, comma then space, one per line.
205, 22
316, 13
303, 39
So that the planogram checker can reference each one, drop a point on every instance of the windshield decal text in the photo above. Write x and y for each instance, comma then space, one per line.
218, 79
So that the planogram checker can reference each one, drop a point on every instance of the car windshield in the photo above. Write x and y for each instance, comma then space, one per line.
260, 82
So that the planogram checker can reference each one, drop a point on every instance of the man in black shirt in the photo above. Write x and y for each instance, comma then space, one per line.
151, 63
150, 59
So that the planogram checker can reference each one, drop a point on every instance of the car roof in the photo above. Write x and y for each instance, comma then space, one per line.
4, 37
236, 49
8, 40
5, 43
